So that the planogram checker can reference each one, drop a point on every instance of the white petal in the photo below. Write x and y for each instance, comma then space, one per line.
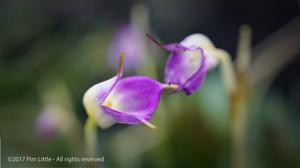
94, 97
199, 40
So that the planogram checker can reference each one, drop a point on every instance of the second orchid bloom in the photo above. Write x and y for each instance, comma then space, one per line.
188, 61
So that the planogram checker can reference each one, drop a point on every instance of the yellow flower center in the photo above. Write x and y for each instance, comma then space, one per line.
108, 104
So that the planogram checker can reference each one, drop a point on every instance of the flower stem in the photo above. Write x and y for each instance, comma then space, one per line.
237, 109
236, 84
90, 135
239, 100
227, 70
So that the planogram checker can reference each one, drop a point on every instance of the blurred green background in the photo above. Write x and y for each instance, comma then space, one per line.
52, 51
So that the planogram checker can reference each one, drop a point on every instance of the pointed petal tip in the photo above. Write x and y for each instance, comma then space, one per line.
148, 124
121, 64
154, 40
171, 87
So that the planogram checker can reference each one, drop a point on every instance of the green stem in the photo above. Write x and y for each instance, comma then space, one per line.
90, 135
227, 70
234, 87
239, 100
238, 128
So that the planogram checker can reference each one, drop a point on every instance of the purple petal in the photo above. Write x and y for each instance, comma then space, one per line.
133, 99
130, 40
187, 65
47, 124
186, 68
197, 79
175, 47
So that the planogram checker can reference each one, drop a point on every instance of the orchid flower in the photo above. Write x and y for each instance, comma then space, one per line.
129, 39
189, 61
131, 100
49, 123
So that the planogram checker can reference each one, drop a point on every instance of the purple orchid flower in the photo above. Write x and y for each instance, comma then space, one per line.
46, 124
131, 100
187, 64
129, 39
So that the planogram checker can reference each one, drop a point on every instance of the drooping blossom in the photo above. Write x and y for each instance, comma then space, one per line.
188, 62
130, 40
131, 100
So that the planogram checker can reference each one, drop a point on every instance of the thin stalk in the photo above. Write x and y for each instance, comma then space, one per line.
227, 70
90, 137
236, 84
239, 100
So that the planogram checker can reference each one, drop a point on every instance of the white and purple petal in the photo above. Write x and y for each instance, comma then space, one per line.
187, 64
200, 40
94, 97
186, 68
133, 100
197, 79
